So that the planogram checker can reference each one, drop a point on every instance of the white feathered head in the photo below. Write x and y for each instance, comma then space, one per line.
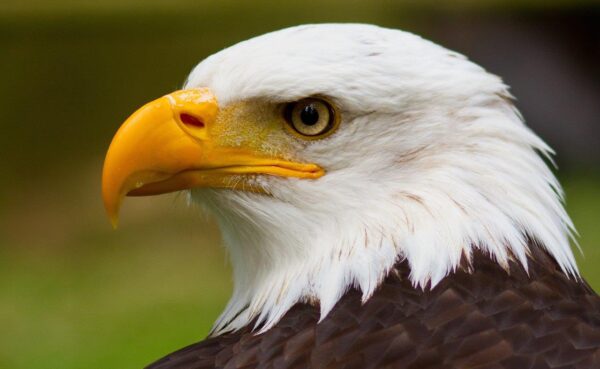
329, 152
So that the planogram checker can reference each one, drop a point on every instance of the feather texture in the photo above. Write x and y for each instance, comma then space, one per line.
481, 316
431, 162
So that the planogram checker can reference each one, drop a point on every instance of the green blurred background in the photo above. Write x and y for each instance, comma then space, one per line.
76, 294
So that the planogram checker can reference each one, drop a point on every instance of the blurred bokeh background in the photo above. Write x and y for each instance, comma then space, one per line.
76, 294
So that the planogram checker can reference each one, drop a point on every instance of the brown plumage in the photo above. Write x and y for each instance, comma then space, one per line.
478, 317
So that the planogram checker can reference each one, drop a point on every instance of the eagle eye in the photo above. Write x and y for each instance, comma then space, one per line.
311, 117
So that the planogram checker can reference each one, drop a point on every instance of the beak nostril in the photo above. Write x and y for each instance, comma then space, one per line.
191, 120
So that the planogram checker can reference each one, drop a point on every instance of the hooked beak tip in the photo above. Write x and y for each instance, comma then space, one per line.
114, 221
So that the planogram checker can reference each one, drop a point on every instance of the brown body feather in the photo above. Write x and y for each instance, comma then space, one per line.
478, 317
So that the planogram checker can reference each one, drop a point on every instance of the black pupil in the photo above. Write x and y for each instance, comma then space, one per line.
309, 115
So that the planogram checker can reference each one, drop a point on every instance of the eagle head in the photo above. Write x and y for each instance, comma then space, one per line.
328, 153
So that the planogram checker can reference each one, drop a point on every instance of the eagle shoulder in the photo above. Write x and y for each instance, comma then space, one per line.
482, 316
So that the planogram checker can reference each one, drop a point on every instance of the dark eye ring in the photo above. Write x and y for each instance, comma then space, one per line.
311, 117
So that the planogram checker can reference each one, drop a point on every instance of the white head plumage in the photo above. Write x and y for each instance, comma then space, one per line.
430, 162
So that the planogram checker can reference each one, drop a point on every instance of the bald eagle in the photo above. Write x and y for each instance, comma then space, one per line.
382, 202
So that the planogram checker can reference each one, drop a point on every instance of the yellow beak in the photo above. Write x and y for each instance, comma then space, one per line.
168, 145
